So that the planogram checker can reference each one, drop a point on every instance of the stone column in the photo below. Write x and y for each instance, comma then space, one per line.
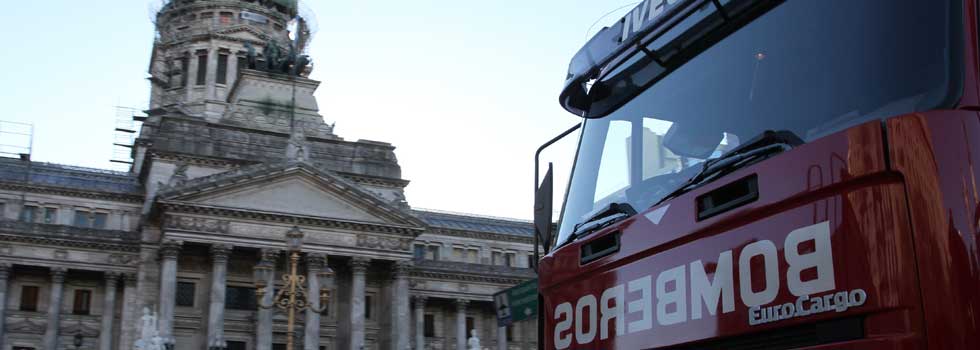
231, 71
314, 263
263, 334
461, 324
54, 308
210, 80
108, 310
4, 276
128, 324
191, 75
502, 338
359, 268
216, 314
419, 322
402, 322
169, 251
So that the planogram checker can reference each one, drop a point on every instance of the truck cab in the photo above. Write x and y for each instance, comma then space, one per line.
757, 174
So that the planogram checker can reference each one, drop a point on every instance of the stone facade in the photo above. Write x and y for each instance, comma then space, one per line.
224, 167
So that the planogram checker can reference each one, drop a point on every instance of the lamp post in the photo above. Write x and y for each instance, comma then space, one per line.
292, 297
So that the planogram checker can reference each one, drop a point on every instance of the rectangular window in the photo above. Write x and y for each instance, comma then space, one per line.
470, 324
367, 307
510, 259
29, 213
50, 215
83, 218
207, 15
240, 298
185, 294
419, 252
497, 258
432, 253
459, 254
278, 346
28, 298
430, 326
202, 69
22, 348
473, 256
221, 76
100, 220
185, 69
226, 17
510, 333
242, 64
83, 302
530, 260
235, 345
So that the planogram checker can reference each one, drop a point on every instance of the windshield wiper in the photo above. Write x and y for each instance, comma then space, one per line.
767, 144
609, 215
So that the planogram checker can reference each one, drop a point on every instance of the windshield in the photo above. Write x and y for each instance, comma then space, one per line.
808, 67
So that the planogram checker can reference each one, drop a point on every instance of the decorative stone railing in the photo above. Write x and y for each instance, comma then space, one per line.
67, 232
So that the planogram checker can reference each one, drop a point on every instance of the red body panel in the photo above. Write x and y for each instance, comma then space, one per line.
937, 153
841, 179
903, 207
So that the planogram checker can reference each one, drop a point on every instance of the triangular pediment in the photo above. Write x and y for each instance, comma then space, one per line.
293, 195
296, 189
244, 34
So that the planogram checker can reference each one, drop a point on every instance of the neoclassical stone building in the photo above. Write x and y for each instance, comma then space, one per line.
227, 162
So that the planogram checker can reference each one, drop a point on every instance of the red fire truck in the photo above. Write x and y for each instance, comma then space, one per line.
757, 174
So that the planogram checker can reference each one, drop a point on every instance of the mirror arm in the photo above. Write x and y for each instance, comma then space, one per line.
537, 164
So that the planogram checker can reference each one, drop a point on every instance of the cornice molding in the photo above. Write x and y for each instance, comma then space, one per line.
195, 160
375, 181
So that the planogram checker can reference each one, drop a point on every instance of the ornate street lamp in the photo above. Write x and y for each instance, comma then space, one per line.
292, 297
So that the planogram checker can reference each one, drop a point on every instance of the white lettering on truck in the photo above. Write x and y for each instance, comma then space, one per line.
684, 292
645, 12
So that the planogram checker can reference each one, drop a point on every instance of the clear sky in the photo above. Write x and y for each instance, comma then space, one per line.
466, 90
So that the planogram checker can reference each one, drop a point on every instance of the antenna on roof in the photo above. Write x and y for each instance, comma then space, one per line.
128, 122
16, 140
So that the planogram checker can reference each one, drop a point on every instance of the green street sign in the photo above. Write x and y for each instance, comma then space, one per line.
516, 304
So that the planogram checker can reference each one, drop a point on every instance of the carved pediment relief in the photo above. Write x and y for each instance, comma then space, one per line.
80, 328
244, 33
293, 189
25, 325
294, 196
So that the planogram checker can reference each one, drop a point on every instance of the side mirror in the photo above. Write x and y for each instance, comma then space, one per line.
543, 204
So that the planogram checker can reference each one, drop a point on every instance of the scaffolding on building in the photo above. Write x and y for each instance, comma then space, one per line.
128, 123
16, 139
